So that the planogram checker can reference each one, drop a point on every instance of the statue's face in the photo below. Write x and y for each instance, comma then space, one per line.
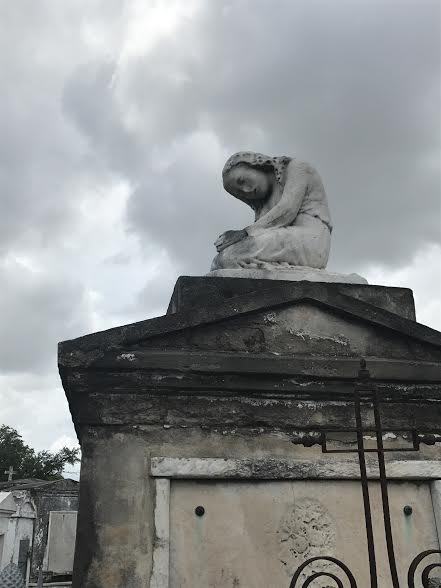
248, 183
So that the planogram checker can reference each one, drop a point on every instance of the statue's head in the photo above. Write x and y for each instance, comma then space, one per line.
251, 177
248, 183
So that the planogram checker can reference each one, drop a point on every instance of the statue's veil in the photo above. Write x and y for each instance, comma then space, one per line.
277, 165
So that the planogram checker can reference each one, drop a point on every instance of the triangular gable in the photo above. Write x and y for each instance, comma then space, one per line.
274, 297
301, 328
7, 503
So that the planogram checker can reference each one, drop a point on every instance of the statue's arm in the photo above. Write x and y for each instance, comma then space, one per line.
283, 214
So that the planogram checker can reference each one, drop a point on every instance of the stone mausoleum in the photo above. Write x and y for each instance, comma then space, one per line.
279, 427
37, 532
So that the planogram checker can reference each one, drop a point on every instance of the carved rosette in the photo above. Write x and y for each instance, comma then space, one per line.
306, 530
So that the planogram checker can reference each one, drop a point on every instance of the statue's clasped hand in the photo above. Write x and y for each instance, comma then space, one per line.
229, 238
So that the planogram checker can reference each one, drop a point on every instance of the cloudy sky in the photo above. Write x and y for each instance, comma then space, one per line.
117, 117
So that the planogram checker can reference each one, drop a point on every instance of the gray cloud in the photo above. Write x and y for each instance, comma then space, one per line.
44, 161
45, 164
37, 310
351, 86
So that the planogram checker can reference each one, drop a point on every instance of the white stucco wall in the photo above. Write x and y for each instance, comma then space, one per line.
16, 523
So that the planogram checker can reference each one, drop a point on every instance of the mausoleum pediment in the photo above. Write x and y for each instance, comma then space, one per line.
304, 318
304, 326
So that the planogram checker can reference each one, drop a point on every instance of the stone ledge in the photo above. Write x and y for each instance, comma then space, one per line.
271, 469
289, 274
165, 368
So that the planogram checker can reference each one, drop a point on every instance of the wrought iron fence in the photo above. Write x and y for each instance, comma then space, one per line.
366, 392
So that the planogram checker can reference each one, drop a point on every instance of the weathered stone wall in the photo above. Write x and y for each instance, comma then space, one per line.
115, 543
246, 377
62, 495
114, 531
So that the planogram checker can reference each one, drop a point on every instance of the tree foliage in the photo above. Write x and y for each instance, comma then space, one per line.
27, 462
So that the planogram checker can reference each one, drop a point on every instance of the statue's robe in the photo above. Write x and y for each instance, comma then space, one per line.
295, 231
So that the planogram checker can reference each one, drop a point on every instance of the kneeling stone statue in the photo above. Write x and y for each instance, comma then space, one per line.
291, 236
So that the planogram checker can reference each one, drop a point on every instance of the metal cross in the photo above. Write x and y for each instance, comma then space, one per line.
10, 473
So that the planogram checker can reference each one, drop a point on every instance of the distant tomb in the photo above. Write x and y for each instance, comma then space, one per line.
38, 527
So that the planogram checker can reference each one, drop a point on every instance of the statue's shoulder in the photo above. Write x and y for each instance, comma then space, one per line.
302, 166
